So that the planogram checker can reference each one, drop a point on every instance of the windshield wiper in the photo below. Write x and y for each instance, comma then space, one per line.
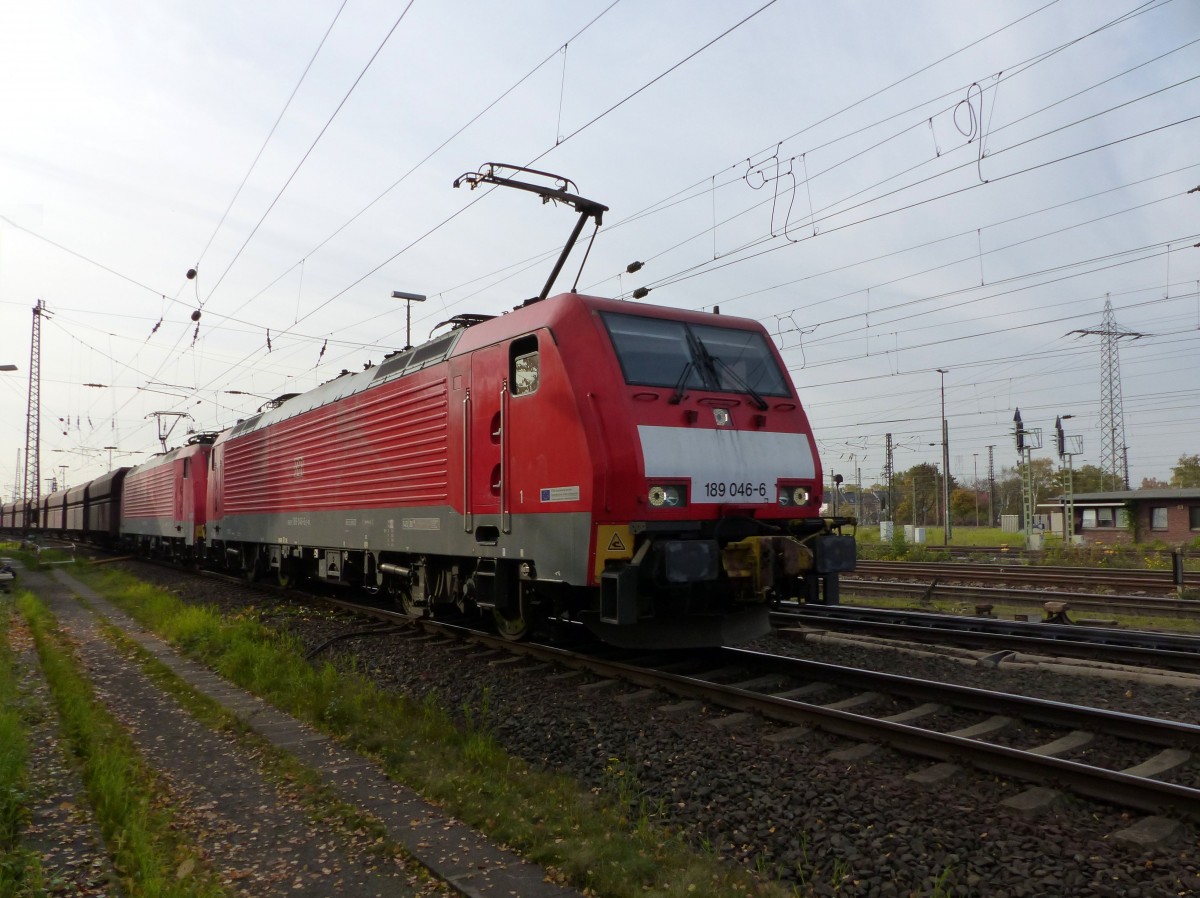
681, 384
759, 402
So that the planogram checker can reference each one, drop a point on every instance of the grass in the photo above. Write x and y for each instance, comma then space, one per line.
608, 842
20, 871
34, 560
868, 534
150, 853
1152, 556
611, 842
282, 768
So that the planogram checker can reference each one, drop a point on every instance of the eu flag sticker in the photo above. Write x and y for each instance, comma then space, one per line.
545, 495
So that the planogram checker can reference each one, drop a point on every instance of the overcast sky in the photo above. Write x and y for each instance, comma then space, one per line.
890, 188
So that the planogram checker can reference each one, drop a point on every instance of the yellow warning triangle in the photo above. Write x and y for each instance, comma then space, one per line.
615, 544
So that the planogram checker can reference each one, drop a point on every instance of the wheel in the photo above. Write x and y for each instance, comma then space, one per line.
512, 625
254, 571
409, 606
401, 595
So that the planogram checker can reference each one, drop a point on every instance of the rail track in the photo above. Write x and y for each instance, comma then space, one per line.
873, 709
1160, 582
997, 732
1006, 554
976, 596
1101, 644
748, 787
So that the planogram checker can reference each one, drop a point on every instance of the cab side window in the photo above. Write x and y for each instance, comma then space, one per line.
524, 366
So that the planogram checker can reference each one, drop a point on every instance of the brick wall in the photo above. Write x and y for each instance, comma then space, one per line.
1177, 532
1178, 529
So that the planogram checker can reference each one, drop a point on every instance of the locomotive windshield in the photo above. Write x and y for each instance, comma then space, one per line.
659, 352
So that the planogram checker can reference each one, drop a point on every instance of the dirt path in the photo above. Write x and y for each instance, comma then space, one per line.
252, 829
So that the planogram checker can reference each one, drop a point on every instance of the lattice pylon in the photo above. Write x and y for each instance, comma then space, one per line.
1114, 462
33, 415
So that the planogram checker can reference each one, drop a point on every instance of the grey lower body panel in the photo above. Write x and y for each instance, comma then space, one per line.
163, 528
557, 543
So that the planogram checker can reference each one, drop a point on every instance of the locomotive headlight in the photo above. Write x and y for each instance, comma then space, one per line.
793, 495
666, 496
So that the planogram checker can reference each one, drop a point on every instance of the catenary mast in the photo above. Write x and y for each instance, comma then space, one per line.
33, 417
1114, 460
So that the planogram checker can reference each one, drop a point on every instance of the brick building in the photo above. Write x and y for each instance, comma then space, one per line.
1170, 516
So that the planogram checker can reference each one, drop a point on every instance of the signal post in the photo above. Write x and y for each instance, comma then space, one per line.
1027, 440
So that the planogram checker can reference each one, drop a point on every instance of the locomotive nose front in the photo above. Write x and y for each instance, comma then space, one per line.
723, 511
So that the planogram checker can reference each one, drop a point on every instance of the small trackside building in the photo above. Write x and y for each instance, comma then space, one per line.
1170, 516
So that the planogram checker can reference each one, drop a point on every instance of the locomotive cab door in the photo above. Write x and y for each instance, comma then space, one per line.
185, 510
484, 448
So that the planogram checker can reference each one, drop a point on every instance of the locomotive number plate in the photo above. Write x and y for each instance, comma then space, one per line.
736, 489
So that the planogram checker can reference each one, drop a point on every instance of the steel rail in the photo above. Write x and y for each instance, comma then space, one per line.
1078, 601
1166, 650
1109, 786
1024, 573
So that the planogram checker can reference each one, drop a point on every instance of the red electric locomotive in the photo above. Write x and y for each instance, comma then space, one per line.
162, 502
645, 471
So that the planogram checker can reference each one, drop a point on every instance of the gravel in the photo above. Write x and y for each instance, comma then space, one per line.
790, 809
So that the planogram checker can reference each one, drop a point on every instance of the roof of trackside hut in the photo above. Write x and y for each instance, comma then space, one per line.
1119, 497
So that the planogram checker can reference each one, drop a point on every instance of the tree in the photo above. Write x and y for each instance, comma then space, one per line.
965, 503
1187, 472
1009, 485
1153, 483
1008, 492
922, 484
1084, 479
1043, 478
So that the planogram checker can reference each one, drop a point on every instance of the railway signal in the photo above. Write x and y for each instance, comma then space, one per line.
1068, 448
1027, 439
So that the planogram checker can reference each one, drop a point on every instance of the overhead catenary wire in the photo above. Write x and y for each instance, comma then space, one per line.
445, 221
430, 155
271, 133
350, 346
1144, 7
1138, 10
707, 267
308, 152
